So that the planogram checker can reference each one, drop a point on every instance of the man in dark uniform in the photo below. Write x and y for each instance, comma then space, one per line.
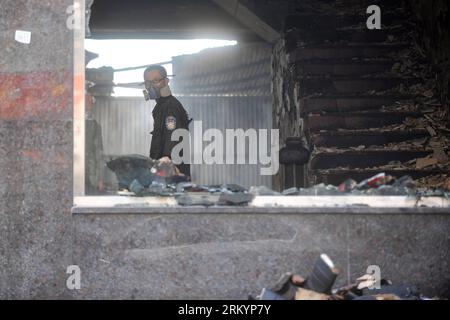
168, 115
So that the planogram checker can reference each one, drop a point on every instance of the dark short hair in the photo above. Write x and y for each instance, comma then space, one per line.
156, 67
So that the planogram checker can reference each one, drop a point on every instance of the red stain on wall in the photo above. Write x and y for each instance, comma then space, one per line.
36, 95
55, 157
34, 155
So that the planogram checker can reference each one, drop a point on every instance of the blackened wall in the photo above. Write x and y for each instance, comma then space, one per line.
286, 114
431, 27
434, 22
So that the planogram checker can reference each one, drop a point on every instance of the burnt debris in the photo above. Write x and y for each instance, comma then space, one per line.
319, 285
144, 177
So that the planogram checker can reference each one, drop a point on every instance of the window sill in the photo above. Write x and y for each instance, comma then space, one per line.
267, 205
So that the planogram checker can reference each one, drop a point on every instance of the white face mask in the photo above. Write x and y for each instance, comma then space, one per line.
153, 94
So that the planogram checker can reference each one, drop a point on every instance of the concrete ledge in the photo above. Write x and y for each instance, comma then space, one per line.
269, 205
254, 210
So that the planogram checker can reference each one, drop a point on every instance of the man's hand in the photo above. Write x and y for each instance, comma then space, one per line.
168, 161
165, 160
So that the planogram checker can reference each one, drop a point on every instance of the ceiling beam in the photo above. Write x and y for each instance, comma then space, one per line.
249, 19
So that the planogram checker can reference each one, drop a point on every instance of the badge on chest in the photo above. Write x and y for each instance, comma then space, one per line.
171, 123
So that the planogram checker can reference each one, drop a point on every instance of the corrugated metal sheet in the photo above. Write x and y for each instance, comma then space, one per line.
127, 122
230, 113
126, 125
236, 70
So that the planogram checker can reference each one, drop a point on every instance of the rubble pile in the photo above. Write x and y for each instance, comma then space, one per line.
432, 118
142, 177
426, 102
379, 185
319, 286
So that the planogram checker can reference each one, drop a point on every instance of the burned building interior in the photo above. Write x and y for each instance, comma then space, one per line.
351, 96
354, 106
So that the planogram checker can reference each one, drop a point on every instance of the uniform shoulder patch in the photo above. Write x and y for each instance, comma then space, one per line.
171, 123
